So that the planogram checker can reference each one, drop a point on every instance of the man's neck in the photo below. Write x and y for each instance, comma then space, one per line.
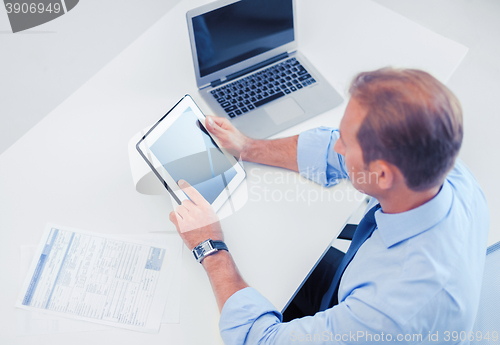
406, 199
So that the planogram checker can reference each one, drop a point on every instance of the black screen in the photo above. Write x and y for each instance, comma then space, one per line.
241, 30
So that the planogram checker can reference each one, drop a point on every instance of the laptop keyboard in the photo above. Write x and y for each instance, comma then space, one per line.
246, 94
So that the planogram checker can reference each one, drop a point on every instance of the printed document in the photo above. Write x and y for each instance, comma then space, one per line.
110, 280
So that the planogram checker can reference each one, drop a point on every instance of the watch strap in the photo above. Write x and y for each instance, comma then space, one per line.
219, 245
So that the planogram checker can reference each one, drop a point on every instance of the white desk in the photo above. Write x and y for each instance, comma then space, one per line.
72, 168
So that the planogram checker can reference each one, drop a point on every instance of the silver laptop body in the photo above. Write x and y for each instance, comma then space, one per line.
249, 70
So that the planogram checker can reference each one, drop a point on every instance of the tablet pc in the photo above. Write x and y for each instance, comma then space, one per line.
179, 147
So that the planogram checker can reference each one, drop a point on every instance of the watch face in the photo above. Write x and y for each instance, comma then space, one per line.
203, 248
207, 246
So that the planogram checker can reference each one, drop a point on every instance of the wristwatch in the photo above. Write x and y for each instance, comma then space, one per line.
207, 248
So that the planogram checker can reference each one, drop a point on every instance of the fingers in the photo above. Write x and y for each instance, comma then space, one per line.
182, 211
188, 204
192, 193
220, 121
215, 124
173, 218
211, 125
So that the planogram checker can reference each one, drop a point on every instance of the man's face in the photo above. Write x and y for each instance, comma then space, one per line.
348, 146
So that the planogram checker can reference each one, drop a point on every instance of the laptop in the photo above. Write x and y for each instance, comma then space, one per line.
249, 70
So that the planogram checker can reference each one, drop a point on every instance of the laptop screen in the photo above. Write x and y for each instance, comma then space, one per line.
241, 30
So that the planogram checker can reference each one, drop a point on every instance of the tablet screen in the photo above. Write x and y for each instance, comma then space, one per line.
187, 152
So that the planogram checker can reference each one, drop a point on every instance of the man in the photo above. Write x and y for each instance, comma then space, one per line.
415, 276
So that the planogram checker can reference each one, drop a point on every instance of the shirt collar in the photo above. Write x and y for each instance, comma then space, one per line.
398, 227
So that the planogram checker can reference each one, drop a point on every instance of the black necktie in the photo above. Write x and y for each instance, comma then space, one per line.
363, 232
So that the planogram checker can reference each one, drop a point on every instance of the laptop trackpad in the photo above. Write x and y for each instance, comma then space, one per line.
282, 111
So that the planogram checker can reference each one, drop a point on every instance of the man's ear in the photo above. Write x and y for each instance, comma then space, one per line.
384, 174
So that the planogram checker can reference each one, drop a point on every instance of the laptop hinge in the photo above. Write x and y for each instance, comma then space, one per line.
238, 74
216, 83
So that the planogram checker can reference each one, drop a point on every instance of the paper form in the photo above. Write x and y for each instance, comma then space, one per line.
30, 322
98, 278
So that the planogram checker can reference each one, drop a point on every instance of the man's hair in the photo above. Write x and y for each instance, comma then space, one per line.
413, 121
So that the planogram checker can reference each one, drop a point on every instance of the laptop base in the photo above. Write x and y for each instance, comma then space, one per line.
284, 111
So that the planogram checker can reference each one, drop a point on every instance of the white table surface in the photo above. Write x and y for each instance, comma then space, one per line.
73, 169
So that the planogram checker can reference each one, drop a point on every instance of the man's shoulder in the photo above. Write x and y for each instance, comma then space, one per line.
466, 188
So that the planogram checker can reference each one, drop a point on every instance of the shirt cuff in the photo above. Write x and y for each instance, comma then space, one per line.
241, 311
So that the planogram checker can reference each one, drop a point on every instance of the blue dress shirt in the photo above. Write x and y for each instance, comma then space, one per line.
417, 279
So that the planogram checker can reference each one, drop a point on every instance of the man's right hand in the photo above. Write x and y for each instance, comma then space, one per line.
229, 137
278, 152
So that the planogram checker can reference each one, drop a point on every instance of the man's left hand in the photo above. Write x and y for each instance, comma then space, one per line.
195, 219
